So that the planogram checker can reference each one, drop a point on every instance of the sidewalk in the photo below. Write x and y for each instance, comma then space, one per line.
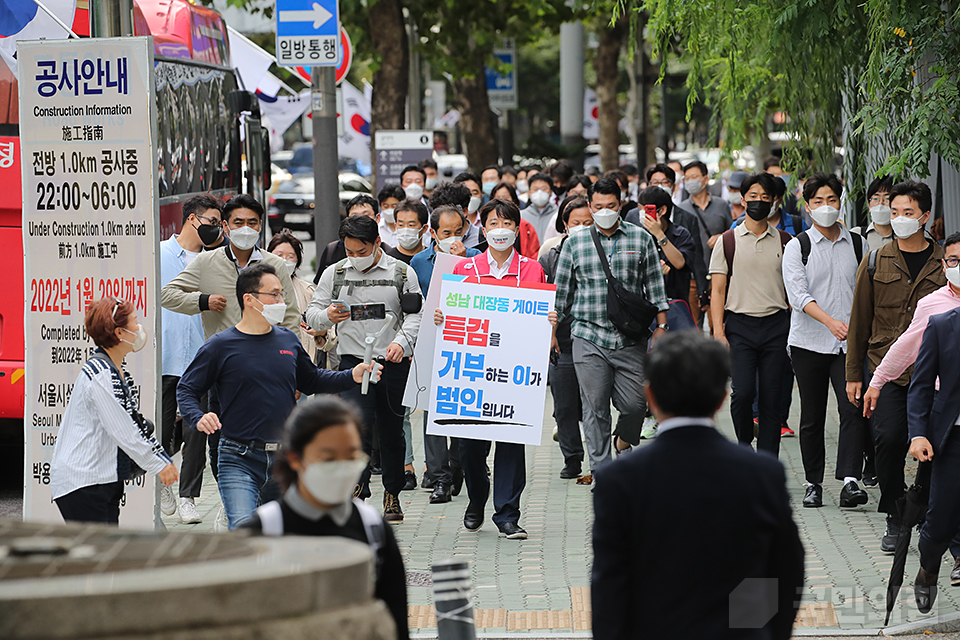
542, 584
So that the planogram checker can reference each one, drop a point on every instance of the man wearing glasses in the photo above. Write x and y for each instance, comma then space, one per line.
255, 369
878, 232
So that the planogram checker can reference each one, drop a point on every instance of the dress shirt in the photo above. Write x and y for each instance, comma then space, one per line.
904, 351
674, 423
386, 234
829, 279
350, 334
182, 335
497, 271
875, 239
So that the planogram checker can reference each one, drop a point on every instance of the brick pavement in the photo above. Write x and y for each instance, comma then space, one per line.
542, 583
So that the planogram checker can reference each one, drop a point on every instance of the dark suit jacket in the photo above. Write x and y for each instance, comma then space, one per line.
929, 414
680, 524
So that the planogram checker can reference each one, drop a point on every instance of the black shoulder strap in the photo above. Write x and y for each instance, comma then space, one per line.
858, 243
872, 263
797, 224
804, 239
603, 256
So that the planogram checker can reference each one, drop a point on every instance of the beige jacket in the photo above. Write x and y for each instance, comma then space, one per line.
215, 272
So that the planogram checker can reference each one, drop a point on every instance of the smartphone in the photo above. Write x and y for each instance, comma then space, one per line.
651, 211
340, 303
377, 311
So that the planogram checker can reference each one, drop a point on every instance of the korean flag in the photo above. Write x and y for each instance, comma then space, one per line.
24, 20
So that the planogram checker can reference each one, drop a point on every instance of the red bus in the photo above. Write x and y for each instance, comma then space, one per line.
201, 113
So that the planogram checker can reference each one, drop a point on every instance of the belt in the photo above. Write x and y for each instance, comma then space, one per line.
259, 445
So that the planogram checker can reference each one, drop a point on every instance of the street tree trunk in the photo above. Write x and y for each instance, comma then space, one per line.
606, 63
476, 119
391, 80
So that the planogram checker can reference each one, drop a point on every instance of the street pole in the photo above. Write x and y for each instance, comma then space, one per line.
111, 18
571, 88
451, 596
326, 186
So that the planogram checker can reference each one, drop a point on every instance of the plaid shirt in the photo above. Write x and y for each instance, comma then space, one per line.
582, 284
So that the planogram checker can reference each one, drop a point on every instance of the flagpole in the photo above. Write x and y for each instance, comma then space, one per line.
56, 19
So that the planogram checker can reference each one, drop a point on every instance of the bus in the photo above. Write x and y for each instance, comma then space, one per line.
209, 141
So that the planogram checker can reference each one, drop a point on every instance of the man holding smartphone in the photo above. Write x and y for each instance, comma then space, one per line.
365, 279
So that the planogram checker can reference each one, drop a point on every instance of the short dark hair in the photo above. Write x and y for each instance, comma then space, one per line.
427, 163
664, 169
918, 191
569, 204
363, 198
510, 190
766, 181
819, 180
286, 236
242, 201
619, 176
533, 167
605, 186
248, 280
953, 238
392, 190
495, 168
881, 184
408, 204
630, 169
467, 175
199, 204
361, 228
771, 161
656, 196
450, 193
697, 164
580, 180
508, 170
688, 373
412, 167
452, 209
539, 177
501, 209
562, 170
781, 186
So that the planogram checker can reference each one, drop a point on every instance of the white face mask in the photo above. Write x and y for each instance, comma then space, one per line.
431, 184
362, 263
733, 197
539, 198
501, 239
409, 239
388, 216
474, 205
522, 186
577, 229
606, 218
880, 214
273, 313
291, 266
244, 238
904, 226
413, 191
447, 243
667, 189
694, 187
140, 340
825, 216
332, 482
953, 275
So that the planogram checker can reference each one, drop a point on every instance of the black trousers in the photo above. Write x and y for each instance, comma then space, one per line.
941, 529
567, 409
889, 427
96, 503
758, 358
383, 404
816, 372
173, 432
509, 477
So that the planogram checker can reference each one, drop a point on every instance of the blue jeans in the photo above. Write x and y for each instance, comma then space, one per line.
246, 480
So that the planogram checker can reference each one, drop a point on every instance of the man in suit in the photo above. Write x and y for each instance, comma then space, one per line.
932, 418
643, 590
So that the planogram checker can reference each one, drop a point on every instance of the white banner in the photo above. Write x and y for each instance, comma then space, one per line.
591, 115
90, 219
490, 363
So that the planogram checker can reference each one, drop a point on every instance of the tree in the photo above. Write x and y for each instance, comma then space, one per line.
612, 38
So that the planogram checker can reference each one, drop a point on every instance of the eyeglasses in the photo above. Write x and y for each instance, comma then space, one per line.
276, 296
207, 220
661, 183
951, 262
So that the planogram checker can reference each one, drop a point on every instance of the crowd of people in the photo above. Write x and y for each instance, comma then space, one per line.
771, 274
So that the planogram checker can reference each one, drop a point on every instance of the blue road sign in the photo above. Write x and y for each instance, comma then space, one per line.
308, 33
502, 88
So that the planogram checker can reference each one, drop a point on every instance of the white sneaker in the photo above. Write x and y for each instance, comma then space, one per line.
168, 504
221, 525
188, 512
649, 429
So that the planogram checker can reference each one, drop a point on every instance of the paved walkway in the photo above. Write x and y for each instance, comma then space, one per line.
542, 583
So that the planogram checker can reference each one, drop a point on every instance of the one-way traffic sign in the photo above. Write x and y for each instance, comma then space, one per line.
308, 33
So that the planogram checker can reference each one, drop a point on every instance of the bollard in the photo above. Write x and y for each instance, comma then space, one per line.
453, 601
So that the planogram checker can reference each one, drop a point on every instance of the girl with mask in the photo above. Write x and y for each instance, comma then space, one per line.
318, 468
103, 439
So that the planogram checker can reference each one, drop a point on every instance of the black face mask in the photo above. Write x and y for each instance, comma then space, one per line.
758, 209
558, 191
209, 233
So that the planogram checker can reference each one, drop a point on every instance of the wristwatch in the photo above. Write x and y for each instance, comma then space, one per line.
663, 241
664, 326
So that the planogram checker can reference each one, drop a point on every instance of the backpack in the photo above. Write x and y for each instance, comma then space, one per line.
340, 280
730, 247
271, 524
858, 244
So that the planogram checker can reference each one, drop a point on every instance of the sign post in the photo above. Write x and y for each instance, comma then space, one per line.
90, 227
400, 148
308, 33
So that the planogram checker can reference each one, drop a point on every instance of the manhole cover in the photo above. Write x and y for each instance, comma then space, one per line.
419, 579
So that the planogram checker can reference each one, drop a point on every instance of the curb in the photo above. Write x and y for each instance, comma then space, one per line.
940, 624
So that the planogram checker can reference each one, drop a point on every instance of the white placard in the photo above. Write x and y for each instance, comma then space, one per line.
90, 218
490, 365
417, 394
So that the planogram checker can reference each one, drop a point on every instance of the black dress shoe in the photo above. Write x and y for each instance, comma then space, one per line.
473, 518
410, 481
925, 590
888, 543
512, 531
955, 574
813, 498
852, 495
457, 481
571, 469
376, 470
427, 484
441, 493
